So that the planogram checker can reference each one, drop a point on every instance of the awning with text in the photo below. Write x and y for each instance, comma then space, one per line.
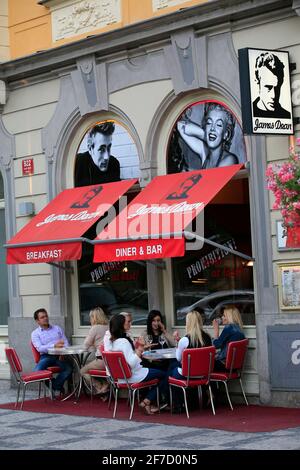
55, 234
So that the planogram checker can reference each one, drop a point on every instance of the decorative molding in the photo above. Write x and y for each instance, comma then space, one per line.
141, 68
7, 150
90, 85
148, 32
78, 17
3, 94
186, 60
161, 4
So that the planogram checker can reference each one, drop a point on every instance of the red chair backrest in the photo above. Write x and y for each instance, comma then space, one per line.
13, 360
236, 352
115, 361
202, 361
36, 354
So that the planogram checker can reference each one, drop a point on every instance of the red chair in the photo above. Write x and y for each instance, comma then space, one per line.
96, 373
119, 369
197, 366
235, 356
40, 376
36, 357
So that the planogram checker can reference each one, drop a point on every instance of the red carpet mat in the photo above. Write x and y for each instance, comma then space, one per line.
242, 419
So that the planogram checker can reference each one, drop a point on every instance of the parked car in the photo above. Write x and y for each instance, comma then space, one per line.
213, 305
103, 295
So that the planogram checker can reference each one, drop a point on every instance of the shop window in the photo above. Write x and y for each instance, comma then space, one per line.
4, 301
211, 278
106, 154
206, 136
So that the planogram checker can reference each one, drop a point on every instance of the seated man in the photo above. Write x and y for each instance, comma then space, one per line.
50, 336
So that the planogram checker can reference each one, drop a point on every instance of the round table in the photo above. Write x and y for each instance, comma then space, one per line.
157, 354
79, 355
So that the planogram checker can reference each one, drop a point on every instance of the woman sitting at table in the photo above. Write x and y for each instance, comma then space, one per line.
92, 343
120, 341
157, 337
155, 329
195, 337
233, 331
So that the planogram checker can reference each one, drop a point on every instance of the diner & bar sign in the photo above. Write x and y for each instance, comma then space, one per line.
27, 167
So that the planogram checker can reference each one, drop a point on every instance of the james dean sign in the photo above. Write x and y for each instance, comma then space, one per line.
265, 91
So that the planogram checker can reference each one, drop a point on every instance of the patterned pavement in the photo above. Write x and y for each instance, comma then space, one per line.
37, 431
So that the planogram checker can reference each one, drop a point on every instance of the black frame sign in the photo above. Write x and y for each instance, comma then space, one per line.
265, 91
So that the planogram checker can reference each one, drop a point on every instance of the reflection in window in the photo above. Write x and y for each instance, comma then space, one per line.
4, 305
212, 277
114, 286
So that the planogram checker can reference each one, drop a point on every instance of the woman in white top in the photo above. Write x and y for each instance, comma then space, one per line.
195, 337
93, 342
120, 341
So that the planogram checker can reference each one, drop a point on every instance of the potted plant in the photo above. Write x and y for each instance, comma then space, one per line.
284, 180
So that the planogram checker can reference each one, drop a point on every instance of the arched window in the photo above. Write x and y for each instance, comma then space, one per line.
205, 136
107, 153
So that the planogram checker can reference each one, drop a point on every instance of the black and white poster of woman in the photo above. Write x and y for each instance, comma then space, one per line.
206, 135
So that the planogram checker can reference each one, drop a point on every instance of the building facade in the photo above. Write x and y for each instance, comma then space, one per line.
152, 70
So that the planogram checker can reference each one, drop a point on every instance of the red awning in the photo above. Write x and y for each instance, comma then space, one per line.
166, 206
55, 234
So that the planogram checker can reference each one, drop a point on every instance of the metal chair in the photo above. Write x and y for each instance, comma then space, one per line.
197, 366
22, 379
235, 357
119, 369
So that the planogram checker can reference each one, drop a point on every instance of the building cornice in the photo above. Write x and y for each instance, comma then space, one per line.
208, 15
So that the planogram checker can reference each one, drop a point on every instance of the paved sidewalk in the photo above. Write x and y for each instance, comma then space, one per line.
25, 430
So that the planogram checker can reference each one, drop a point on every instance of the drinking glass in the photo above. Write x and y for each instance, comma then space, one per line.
161, 340
149, 340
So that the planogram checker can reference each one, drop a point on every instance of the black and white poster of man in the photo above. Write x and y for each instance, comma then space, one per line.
107, 153
269, 104
206, 135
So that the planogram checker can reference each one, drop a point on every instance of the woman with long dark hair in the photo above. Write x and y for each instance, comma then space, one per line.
156, 328
120, 341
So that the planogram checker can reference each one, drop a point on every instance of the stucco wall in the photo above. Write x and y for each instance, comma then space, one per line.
4, 36
28, 110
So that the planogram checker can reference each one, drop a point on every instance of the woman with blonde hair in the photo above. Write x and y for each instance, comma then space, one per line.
233, 331
195, 337
93, 341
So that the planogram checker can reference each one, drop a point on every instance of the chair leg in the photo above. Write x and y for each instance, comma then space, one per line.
116, 402
23, 396
40, 388
211, 400
111, 392
228, 397
45, 391
132, 403
200, 396
171, 398
245, 398
157, 398
18, 394
185, 403
51, 389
